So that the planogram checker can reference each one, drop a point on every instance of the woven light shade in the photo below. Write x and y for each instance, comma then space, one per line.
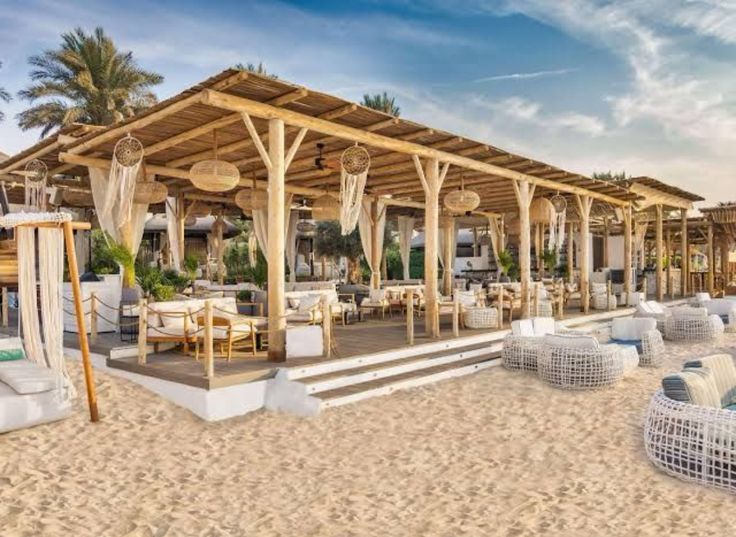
542, 211
461, 201
214, 175
78, 198
326, 208
190, 220
306, 228
201, 210
150, 192
259, 200
242, 200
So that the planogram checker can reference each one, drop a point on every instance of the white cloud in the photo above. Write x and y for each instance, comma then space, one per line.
525, 76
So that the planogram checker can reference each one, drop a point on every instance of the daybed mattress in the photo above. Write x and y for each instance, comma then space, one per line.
21, 411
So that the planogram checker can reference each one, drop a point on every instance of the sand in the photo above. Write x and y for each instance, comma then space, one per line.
496, 453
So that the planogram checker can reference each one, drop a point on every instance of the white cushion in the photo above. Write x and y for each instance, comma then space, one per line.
26, 377
224, 305
598, 288
643, 308
10, 343
523, 327
629, 356
377, 295
689, 313
631, 329
543, 326
702, 297
308, 302
466, 298
294, 302
170, 331
571, 341
304, 341
656, 307
719, 306
175, 307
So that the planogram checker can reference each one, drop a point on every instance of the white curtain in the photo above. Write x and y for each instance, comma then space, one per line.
291, 244
252, 249
406, 230
81, 248
124, 223
494, 231
172, 227
27, 297
640, 233
260, 224
366, 226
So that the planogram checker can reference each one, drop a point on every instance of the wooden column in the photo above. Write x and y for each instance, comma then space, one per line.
276, 242
181, 215
628, 261
685, 253
668, 254
431, 179
584, 204
711, 261
524, 194
448, 231
658, 252
605, 242
375, 260
209, 351
570, 252
724, 262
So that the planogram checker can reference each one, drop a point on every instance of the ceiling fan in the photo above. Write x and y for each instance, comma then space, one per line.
322, 163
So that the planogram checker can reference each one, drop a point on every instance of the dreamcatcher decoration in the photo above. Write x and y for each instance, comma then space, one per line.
127, 157
557, 229
35, 185
355, 162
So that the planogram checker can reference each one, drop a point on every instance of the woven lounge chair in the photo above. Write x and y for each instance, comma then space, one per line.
692, 324
580, 363
725, 308
643, 334
522, 346
600, 298
690, 426
653, 310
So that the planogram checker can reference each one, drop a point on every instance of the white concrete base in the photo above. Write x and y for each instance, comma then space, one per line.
209, 405
289, 396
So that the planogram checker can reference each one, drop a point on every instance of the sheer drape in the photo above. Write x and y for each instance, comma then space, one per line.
406, 230
366, 227
260, 223
291, 244
172, 227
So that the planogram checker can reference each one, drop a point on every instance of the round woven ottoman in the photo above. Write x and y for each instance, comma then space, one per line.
479, 317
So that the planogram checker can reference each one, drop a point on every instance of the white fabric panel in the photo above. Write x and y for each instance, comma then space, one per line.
27, 298
173, 233
98, 186
543, 326
260, 224
495, 233
406, 230
523, 327
291, 244
365, 228
26, 377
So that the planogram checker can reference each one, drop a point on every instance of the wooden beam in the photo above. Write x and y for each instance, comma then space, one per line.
191, 133
276, 243
524, 194
430, 177
240, 104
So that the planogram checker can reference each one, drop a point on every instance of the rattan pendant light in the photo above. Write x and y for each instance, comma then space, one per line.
461, 201
148, 192
214, 175
326, 208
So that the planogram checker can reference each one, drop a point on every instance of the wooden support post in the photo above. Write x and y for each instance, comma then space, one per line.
410, 316
668, 255
685, 253
180, 218
628, 261
5, 306
524, 195
535, 295
725, 277
561, 299
209, 351
326, 328
276, 241
142, 331
606, 261
375, 260
501, 294
570, 252
93, 316
658, 253
456, 316
711, 261
584, 204
431, 183
448, 230
89, 380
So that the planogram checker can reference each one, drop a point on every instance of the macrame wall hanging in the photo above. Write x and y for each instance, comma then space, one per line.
557, 230
355, 162
126, 162
35, 185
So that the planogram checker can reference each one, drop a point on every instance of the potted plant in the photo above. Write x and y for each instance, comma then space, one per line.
506, 262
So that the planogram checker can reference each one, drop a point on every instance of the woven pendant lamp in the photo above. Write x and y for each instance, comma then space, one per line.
148, 192
461, 201
201, 210
541, 211
214, 175
78, 198
242, 200
190, 220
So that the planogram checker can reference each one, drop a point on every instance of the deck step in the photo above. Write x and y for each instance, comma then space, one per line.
387, 385
372, 372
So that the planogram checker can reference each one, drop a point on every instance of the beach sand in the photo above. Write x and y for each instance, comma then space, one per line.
496, 453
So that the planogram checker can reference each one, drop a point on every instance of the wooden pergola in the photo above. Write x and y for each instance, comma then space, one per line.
270, 129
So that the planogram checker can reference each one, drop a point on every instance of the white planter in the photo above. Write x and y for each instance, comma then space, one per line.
107, 291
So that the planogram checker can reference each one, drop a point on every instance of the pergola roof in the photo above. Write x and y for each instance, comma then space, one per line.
653, 191
178, 132
723, 216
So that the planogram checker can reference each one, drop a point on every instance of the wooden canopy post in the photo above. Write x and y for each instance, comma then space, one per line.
628, 261
89, 380
431, 179
711, 260
375, 260
524, 193
668, 253
606, 233
685, 254
658, 253
570, 252
724, 262
448, 231
276, 241
584, 204
180, 218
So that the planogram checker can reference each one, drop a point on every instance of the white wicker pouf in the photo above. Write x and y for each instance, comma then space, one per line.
479, 317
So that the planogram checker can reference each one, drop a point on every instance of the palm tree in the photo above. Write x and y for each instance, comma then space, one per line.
382, 102
86, 80
259, 69
4, 96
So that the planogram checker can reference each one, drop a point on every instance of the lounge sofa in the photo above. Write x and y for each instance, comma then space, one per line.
653, 310
690, 426
522, 346
692, 324
641, 333
601, 298
725, 308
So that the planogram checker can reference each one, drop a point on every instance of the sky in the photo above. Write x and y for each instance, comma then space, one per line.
642, 86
